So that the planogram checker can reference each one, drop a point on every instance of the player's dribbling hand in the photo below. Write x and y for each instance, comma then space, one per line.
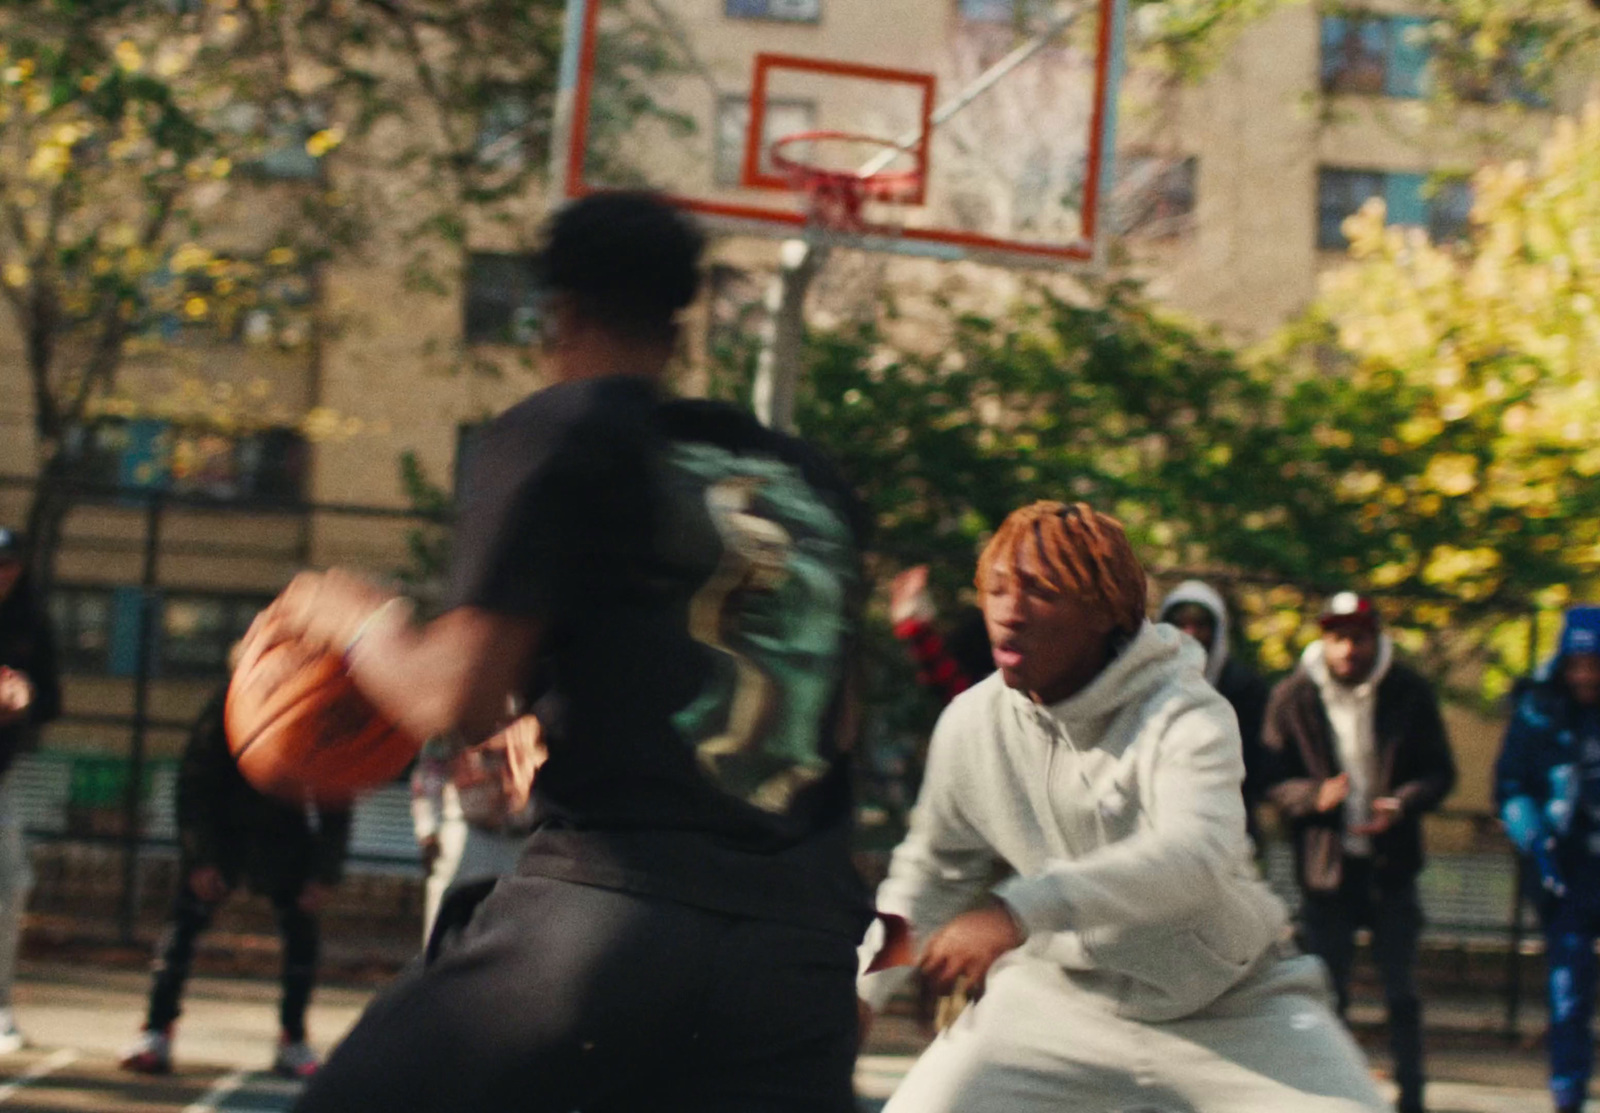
326, 609
16, 696
967, 946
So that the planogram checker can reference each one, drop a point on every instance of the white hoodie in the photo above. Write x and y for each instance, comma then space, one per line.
1195, 591
1352, 714
1119, 811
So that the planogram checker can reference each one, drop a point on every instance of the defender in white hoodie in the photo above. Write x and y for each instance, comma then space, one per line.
1133, 959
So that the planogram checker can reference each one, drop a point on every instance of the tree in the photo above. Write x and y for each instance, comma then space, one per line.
165, 189
121, 150
1458, 431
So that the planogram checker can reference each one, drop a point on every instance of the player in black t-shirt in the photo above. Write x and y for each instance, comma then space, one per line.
672, 589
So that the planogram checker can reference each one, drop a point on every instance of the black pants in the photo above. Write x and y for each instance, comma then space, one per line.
559, 997
1394, 915
175, 954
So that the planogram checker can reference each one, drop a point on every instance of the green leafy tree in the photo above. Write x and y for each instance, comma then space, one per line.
1456, 436
120, 161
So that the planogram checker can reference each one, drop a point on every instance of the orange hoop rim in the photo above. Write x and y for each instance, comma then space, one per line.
882, 185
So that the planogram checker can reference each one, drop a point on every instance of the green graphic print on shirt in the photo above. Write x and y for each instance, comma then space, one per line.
775, 610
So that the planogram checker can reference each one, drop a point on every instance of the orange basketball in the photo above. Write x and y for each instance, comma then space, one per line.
300, 730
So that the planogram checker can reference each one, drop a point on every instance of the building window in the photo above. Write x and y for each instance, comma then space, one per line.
794, 11
82, 620
277, 135
1450, 211
1506, 77
502, 140
1153, 196
999, 11
260, 300
197, 631
268, 465
1340, 194
784, 117
1376, 55
1409, 200
501, 304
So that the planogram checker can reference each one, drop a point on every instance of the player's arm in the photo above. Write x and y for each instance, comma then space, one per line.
1166, 871
944, 865
451, 675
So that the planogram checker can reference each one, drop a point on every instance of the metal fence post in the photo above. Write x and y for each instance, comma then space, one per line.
1514, 956
133, 798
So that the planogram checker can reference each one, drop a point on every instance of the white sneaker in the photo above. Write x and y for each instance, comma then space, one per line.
295, 1060
151, 1053
11, 1037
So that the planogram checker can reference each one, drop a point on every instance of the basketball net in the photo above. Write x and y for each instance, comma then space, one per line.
837, 198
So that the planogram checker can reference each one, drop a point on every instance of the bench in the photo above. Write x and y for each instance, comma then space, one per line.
49, 787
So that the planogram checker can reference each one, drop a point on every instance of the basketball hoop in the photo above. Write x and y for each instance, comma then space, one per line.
837, 196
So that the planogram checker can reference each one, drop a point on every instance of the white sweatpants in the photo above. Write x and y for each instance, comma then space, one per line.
1040, 1042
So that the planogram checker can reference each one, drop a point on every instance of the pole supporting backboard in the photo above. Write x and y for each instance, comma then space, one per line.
564, 146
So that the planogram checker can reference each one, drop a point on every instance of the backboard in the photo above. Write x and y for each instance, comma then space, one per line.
1003, 110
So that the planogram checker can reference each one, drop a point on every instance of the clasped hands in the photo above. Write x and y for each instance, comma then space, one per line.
1386, 810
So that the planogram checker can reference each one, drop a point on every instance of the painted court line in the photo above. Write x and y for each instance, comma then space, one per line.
219, 1092
48, 1065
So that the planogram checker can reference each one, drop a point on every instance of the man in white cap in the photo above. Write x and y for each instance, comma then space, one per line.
1358, 754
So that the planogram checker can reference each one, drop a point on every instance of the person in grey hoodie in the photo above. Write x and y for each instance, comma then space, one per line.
1134, 958
1199, 611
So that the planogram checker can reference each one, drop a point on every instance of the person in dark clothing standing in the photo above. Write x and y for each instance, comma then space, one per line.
230, 834
1547, 788
1198, 610
30, 696
673, 591
1357, 754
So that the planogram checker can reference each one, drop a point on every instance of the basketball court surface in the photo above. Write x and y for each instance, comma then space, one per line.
80, 1018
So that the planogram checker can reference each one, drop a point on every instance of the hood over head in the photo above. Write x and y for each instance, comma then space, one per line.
1203, 594
1580, 633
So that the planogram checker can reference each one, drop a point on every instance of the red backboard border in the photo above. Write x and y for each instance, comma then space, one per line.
937, 241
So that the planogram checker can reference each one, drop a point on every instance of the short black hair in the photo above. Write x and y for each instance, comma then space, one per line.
630, 261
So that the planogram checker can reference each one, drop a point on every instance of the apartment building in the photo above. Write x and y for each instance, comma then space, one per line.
1229, 198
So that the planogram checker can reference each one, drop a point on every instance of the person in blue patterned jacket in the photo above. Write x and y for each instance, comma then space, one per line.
1547, 790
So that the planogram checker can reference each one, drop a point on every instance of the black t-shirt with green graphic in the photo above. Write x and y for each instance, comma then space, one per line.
696, 578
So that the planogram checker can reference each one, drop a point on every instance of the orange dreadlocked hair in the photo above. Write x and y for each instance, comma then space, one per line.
1076, 549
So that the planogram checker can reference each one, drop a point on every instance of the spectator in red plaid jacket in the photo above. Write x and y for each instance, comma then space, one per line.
946, 667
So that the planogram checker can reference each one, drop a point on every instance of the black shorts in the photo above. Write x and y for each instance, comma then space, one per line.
562, 997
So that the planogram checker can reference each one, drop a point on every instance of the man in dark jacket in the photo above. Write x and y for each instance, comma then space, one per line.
1547, 787
1358, 753
1199, 611
229, 833
30, 696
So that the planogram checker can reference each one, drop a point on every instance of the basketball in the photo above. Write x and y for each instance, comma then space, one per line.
299, 730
